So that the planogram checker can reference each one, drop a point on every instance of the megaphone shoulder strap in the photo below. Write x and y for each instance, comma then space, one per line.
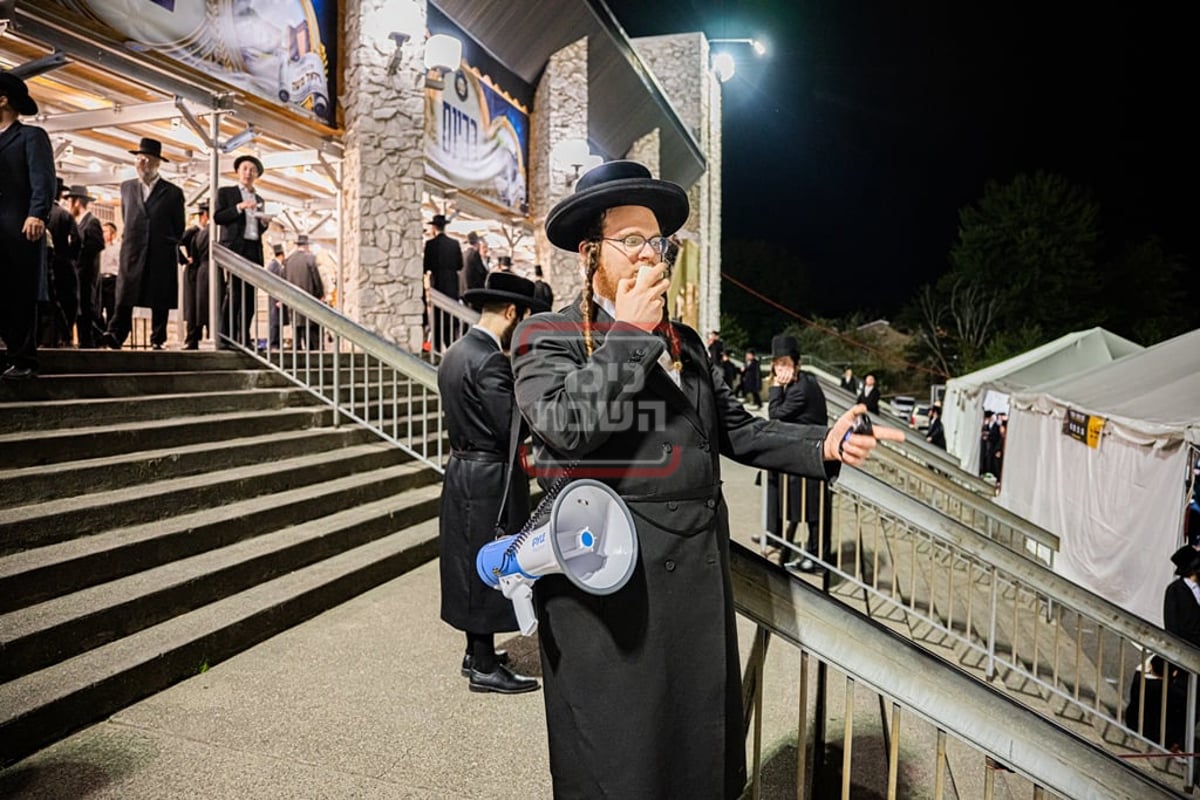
514, 435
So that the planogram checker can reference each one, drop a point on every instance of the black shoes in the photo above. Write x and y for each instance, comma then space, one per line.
109, 341
469, 662
502, 680
15, 373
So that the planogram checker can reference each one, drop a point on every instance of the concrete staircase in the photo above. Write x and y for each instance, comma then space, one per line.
161, 511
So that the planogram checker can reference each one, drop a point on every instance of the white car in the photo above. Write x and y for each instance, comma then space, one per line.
919, 418
902, 406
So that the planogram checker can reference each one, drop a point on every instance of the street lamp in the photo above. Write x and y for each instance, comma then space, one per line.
722, 62
760, 49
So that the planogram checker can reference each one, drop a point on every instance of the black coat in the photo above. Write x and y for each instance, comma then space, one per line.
800, 401
195, 283
444, 258
642, 687
149, 273
476, 271
751, 377
476, 384
869, 398
26, 178
91, 237
543, 293
1181, 613
233, 220
936, 435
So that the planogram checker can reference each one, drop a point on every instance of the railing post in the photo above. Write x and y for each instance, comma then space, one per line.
802, 732
991, 648
1189, 736
337, 380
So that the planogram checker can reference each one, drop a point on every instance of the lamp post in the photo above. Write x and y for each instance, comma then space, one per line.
723, 64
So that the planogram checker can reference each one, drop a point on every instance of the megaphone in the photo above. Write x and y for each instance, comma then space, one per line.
590, 538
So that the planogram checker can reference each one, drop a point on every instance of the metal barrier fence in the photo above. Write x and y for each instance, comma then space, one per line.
448, 321
913, 686
1010, 619
362, 376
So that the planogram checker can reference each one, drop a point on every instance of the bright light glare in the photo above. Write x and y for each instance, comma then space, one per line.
723, 66
759, 47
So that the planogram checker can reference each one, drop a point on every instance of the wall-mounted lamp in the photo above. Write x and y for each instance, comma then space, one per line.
239, 140
400, 20
443, 53
573, 157
723, 64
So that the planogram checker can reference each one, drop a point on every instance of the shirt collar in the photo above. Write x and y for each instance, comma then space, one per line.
609, 306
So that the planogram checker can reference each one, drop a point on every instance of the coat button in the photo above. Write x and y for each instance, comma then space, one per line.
672, 505
710, 503
666, 447
670, 565
704, 445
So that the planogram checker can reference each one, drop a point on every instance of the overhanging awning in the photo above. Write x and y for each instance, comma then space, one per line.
625, 101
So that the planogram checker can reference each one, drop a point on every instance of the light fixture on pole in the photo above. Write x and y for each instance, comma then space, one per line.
402, 21
574, 157
760, 49
239, 140
722, 62
443, 53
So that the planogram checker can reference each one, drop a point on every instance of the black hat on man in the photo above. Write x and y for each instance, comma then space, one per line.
784, 345
302, 239
258, 165
14, 88
277, 249
505, 287
1186, 560
150, 147
438, 221
202, 207
612, 184
79, 191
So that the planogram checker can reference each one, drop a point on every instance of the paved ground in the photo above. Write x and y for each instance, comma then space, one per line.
366, 701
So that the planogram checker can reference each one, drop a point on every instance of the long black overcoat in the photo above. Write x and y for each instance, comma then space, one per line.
149, 272
642, 687
476, 384
801, 401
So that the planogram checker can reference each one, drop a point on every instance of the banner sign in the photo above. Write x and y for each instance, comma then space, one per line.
1083, 427
283, 51
477, 139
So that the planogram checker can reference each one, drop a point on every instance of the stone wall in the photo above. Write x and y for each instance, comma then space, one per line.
646, 151
560, 112
382, 177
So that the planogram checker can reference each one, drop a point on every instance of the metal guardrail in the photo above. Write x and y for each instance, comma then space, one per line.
448, 321
916, 684
359, 374
1009, 616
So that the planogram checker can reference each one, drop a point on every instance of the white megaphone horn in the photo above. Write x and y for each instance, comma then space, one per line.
590, 538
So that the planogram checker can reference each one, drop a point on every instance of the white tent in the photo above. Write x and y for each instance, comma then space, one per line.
967, 396
1117, 507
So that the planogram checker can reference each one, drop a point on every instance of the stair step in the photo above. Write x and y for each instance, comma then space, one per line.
56, 520
83, 385
44, 706
32, 576
37, 484
64, 360
30, 417
22, 450
37, 636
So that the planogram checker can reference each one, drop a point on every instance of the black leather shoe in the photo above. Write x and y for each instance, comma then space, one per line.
109, 341
15, 373
469, 662
503, 680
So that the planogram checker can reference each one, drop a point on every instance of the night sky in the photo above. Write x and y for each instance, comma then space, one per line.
867, 127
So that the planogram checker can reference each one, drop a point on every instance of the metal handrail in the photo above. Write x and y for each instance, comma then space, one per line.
449, 316
1077, 636
893, 667
385, 388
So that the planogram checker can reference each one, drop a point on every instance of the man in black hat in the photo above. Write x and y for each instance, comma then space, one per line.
442, 261
59, 321
27, 189
240, 213
1181, 601
275, 267
474, 269
642, 686
796, 396
194, 256
300, 269
153, 215
87, 267
541, 289
476, 384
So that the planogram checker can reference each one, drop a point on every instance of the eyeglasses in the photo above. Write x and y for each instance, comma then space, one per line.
633, 243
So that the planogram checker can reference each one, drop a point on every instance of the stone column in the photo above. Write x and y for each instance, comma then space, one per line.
680, 63
560, 112
646, 151
383, 176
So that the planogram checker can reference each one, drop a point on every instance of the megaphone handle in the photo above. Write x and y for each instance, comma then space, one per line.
520, 592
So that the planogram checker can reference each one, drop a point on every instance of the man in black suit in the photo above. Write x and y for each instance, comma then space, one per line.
27, 187
541, 290
154, 218
300, 270
936, 435
62, 304
476, 383
243, 223
443, 259
195, 278
869, 394
474, 270
87, 266
1181, 600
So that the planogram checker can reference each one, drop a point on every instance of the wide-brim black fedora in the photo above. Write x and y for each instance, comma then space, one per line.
79, 191
612, 184
258, 165
14, 88
150, 147
784, 345
1186, 560
505, 287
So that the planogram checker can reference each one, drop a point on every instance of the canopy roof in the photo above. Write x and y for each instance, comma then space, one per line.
1066, 355
1152, 393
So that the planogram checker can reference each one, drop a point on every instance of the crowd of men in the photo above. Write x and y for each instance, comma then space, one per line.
73, 280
